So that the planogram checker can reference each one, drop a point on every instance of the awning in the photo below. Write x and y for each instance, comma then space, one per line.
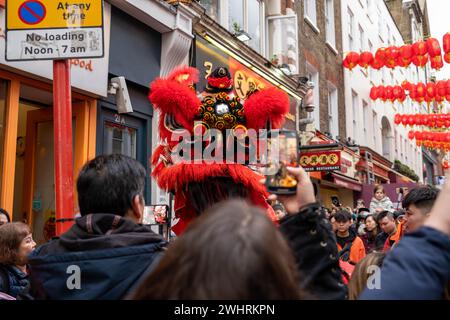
346, 182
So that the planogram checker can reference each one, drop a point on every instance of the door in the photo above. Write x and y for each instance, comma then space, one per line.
127, 135
38, 182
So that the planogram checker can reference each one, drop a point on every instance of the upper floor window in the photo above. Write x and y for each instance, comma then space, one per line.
351, 22
240, 15
361, 38
329, 22
310, 11
283, 41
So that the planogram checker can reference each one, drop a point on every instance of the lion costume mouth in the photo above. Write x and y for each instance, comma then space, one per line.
171, 124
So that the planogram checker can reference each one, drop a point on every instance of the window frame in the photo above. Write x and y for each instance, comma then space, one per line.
330, 23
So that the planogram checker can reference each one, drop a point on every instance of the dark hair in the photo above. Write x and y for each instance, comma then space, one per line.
5, 213
108, 184
343, 216
204, 194
233, 251
384, 214
422, 197
378, 187
11, 236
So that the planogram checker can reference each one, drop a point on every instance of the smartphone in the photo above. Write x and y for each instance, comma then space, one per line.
281, 181
335, 201
156, 214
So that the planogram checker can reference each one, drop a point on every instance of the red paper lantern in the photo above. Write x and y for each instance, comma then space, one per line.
377, 64
439, 99
445, 165
374, 93
365, 59
406, 51
418, 135
446, 42
382, 93
351, 60
420, 60
431, 90
397, 119
447, 88
441, 88
389, 93
433, 47
421, 90
411, 135
419, 48
391, 54
436, 62
447, 57
380, 55
410, 120
397, 92
403, 118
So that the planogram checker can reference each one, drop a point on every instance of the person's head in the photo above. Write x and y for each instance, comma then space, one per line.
370, 223
112, 184
386, 222
279, 210
326, 213
343, 221
224, 254
16, 243
4, 217
379, 193
363, 270
360, 203
417, 205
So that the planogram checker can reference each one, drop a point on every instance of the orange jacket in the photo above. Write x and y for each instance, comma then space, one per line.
357, 251
395, 237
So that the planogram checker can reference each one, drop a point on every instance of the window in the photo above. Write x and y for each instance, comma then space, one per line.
351, 22
310, 11
361, 38
283, 41
365, 121
313, 76
370, 45
388, 36
333, 115
247, 15
396, 143
355, 114
329, 22
212, 8
119, 139
380, 23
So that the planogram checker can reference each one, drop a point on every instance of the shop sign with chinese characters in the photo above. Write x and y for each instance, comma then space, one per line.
321, 160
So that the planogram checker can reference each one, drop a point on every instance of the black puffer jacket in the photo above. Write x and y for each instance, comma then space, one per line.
314, 244
13, 281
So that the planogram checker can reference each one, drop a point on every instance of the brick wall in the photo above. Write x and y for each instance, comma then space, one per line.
314, 50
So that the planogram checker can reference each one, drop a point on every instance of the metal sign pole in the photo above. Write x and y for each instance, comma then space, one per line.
62, 122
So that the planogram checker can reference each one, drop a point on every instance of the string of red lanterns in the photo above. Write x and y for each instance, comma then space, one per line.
430, 139
441, 120
419, 92
419, 53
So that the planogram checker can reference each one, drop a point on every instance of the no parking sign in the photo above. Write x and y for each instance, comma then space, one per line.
52, 29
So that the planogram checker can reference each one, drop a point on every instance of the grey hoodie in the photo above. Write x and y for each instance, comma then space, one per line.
385, 204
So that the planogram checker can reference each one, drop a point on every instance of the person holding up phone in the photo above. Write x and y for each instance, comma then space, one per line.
312, 240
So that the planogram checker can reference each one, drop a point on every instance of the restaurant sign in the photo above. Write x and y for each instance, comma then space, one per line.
321, 160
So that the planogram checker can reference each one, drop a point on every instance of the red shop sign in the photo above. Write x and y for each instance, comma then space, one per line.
321, 160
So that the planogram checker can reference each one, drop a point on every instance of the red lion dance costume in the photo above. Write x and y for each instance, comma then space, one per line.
215, 108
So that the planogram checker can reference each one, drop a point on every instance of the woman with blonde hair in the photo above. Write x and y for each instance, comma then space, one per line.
363, 270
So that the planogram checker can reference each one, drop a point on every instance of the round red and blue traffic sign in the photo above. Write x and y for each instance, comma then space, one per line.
32, 12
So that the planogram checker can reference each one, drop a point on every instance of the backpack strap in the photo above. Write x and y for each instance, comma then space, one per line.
344, 254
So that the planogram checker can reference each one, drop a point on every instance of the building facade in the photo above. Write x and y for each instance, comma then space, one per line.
367, 26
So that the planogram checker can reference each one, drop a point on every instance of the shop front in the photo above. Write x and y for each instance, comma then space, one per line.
27, 187
334, 181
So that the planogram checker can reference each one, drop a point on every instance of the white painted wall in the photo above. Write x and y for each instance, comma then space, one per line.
371, 20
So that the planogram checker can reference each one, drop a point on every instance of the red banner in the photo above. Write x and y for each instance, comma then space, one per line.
321, 160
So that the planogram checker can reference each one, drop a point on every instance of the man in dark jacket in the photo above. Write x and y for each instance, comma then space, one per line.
107, 250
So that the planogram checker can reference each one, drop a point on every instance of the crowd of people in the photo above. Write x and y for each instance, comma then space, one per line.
232, 250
